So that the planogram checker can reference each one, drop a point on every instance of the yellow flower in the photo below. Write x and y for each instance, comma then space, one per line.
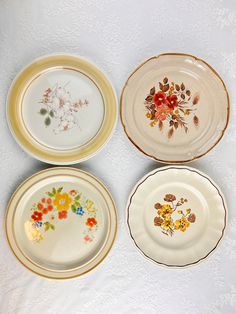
165, 210
62, 201
167, 223
182, 224
148, 115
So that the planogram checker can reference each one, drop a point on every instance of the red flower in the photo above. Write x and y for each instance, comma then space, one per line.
159, 98
62, 214
44, 200
50, 207
91, 222
40, 206
37, 216
49, 200
73, 192
172, 101
45, 211
162, 112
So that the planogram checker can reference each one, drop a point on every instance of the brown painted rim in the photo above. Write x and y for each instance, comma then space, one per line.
228, 108
152, 173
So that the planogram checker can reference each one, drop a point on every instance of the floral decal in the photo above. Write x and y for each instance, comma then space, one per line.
171, 103
57, 104
57, 205
165, 212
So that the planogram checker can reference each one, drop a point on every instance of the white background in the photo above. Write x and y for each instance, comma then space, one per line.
118, 35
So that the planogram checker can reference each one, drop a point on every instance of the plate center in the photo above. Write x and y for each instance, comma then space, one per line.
62, 109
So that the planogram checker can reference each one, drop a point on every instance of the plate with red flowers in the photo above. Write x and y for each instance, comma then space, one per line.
174, 108
61, 223
176, 216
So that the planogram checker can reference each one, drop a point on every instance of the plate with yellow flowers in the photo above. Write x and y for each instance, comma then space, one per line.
176, 216
61, 223
174, 108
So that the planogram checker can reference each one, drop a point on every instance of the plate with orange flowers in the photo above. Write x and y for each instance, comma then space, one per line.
176, 216
174, 108
61, 223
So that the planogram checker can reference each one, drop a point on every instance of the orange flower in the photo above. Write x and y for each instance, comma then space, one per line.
91, 222
62, 214
162, 112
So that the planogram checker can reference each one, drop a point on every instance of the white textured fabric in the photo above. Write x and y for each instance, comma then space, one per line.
118, 35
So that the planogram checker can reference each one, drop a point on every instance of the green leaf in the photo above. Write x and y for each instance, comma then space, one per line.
77, 197
47, 226
59, 190
73, 208
43, 111
47, 121
54, 191
51, 114
52, 227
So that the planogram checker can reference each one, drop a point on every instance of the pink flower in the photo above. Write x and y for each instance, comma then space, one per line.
162, 112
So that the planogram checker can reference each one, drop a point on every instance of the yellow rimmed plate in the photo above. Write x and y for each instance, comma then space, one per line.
61, 223
61, 109
174, 108
176, 216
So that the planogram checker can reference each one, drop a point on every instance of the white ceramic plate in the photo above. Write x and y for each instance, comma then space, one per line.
176, 216
61, 223
61, 109
174, 108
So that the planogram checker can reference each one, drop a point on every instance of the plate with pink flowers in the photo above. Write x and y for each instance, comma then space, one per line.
61, 223
176, 216
174, 108
61, 109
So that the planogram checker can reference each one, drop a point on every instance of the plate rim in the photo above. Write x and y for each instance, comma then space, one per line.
21, 185
134, 190
121, 106
26, 149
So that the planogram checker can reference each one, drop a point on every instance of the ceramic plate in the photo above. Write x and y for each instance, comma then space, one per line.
61, 223
61, 109
174, 108
176, 216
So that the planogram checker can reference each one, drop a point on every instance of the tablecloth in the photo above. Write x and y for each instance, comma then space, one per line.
118, 36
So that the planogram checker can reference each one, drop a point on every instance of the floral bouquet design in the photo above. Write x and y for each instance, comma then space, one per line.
171, 103
164, 218
58, 104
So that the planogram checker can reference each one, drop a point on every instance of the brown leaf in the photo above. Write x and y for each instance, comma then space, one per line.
165, 88
196, 99
171, 122
196, 120
192, 218
160, 124
177, 87
176, 124
149, 98
161, 86
165, 80
182, 96
158, 221
152, 91
170, 133
188, 92
182, 86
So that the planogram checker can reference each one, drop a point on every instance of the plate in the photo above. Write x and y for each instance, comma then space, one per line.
176, 216
61, 223
61, 109
174, 108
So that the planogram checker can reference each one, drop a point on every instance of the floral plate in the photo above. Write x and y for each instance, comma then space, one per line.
61, 109
174, 108
61, 223
176, 216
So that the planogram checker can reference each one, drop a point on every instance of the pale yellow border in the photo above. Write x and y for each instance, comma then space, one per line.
38, 150
28, 263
